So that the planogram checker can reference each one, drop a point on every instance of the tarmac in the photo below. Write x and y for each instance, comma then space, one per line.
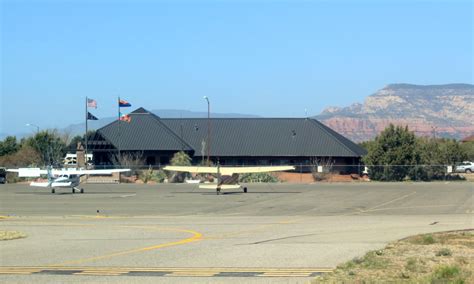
178, 233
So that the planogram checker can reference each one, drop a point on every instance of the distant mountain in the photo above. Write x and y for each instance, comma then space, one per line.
441, 110
79, 128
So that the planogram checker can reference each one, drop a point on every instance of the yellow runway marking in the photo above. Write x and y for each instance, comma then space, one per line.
171, 269
196, 237
167, 271
202, 274
99, 273
285, 274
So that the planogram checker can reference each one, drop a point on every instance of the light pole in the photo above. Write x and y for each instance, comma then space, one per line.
208, 130
34, 125
433, 130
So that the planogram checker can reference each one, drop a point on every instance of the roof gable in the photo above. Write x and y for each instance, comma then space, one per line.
144, 132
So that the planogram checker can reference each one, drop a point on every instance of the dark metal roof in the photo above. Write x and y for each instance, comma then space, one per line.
264, 137
144, 132
258, 137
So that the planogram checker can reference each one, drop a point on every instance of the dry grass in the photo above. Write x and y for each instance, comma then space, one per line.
11, 235
468, 177
431, 258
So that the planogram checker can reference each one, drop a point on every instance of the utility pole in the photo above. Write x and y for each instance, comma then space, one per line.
208, 130
433, 129
85, 136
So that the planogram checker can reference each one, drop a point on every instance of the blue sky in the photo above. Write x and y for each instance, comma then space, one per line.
270, 58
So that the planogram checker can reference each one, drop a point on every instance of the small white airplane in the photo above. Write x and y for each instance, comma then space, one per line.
62, 178
227, 177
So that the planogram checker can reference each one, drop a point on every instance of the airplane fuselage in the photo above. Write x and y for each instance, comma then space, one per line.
66, 181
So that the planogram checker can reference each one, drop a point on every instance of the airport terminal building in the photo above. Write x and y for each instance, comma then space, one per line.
232, 141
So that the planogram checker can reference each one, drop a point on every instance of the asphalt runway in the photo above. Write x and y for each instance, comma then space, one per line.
278, 233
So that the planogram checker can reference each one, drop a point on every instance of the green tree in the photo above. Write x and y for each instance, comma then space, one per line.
436, 155
452, 152
49, 145
180, 159
366, 144
432, 160
468, 150
9, 146
389, 154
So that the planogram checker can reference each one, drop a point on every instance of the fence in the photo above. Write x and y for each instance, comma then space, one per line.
310, 173
304, 173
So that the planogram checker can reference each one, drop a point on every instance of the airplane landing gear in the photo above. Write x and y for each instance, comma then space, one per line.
53, 190
245, 190
82, 190
73, 190
218, 191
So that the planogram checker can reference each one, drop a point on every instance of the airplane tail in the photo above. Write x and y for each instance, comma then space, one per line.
219, 176
50, 175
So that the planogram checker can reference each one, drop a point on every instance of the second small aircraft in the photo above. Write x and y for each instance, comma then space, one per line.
227, 177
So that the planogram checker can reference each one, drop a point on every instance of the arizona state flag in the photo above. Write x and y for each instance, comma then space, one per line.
126, 118
124, 103
90, 116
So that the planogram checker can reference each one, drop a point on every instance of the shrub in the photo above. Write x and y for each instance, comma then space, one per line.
26, 156
152, 175
412, 264
258, 177
132, 160
444, 252
428, 240
320, 176
180, 159
446, 272
372, 261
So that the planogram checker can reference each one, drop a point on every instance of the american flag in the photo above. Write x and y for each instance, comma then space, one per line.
91, 103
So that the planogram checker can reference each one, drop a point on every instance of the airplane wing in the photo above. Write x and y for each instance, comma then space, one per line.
222, 186
36, 172
245, 170
206, 170
228, 170
28, 172
40, 184
89, 172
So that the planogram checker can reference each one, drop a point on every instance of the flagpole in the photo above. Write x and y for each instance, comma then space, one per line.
86, 136
119, 136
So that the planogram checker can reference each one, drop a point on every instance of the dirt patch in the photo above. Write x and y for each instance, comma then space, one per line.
308, 178
294, 177
446, 257
11, 235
